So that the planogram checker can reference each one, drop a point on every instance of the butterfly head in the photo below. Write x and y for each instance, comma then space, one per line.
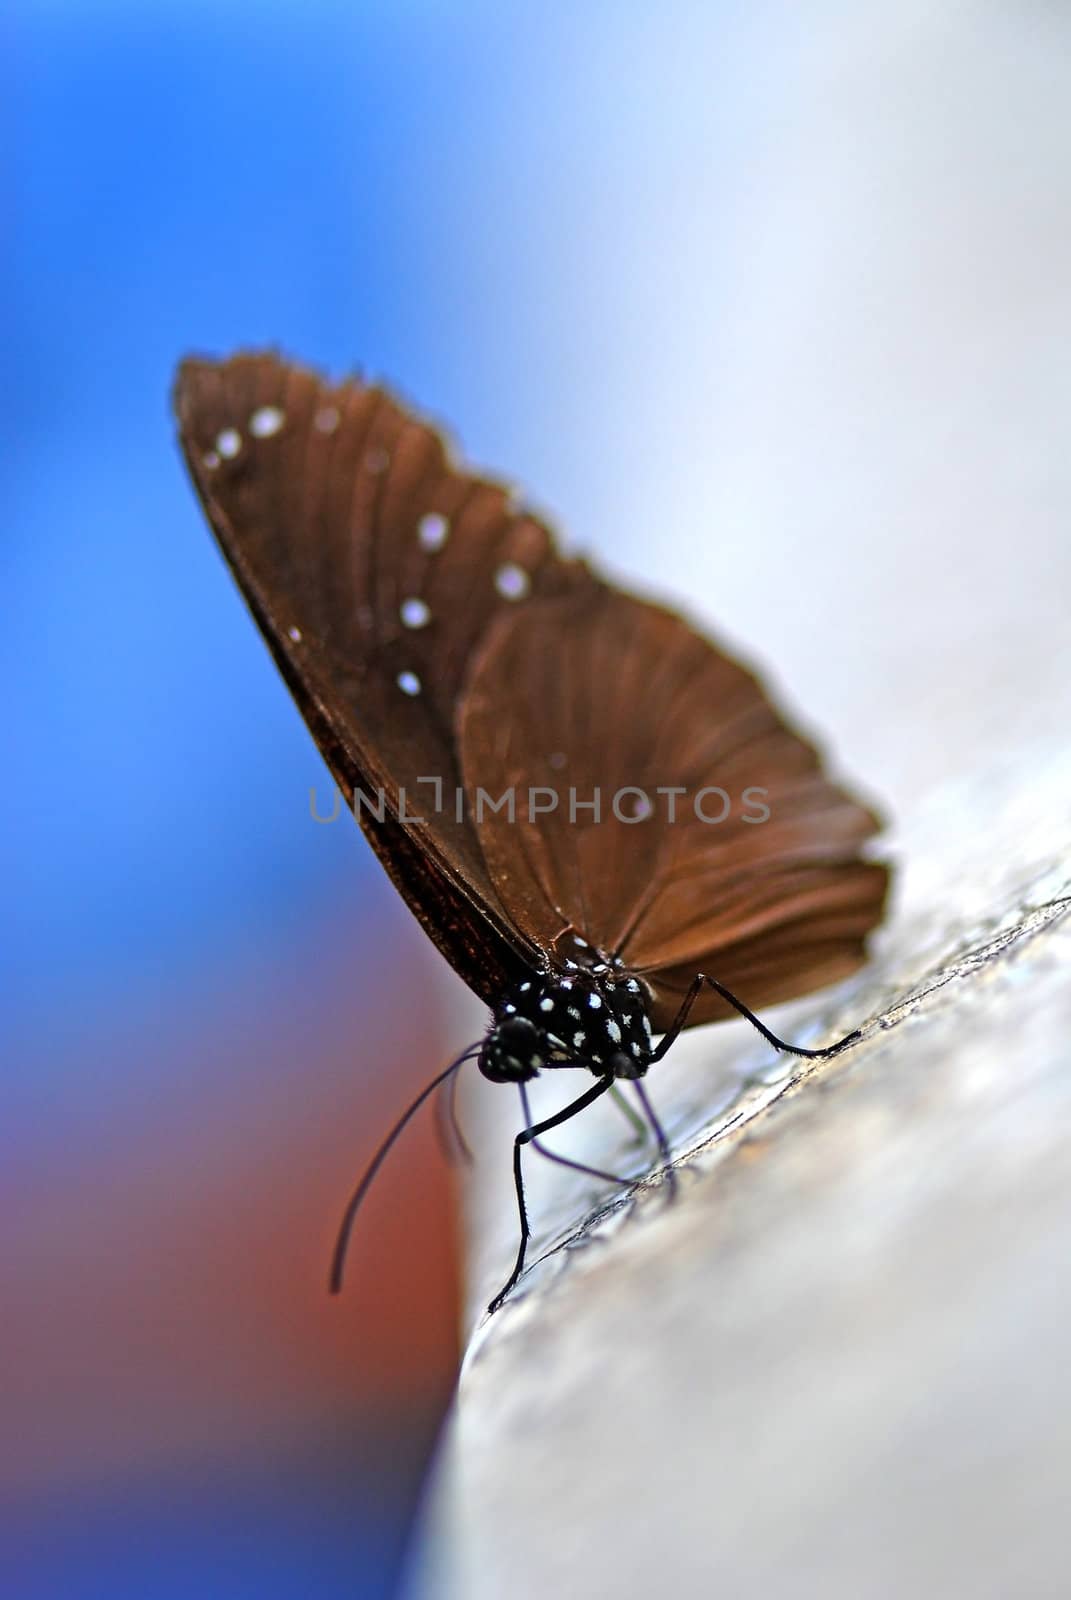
569, 1019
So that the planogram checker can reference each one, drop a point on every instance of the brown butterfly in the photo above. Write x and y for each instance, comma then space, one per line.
618, 832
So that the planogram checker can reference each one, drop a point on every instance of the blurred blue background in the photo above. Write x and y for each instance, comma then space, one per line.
739, 291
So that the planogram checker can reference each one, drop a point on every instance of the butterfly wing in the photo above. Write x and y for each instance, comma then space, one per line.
374, 568
606, 692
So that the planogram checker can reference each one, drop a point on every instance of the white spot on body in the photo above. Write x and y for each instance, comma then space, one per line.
632, 986
512, 582
567, 983
265, 421
647, 1027
414, 614
579, 942
326, 419
432, 531
409, 683
613, 1032
510, 1010
525, 987
535, 1061
228, 443
574, 1011
594, 1001
295, 634
579, 1040
547, 1004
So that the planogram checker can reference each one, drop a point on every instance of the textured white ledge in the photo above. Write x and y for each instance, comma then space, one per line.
836, 1364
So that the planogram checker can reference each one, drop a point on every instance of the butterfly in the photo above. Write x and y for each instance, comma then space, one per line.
598, 815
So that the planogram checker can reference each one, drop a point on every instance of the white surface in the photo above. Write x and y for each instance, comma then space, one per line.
837, 1365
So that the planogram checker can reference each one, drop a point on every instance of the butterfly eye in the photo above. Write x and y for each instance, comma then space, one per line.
512, 1052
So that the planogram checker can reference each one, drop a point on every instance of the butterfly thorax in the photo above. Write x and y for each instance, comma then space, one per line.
578, 1017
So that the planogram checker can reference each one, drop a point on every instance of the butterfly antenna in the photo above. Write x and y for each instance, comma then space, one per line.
338, 1260
448, 1125
567, 1161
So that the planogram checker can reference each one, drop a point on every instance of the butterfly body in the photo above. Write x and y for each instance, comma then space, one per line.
591, 1014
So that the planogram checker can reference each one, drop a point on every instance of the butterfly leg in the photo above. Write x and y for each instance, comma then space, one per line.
690, 998
633, 1118
567, 1161
660, 1134
526, 1136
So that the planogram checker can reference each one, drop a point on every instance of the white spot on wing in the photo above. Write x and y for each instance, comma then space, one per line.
228, 443
210, 460
265, 421
557, 760
512, 582
432, 531
326, 419
295, 634
408, 683
414, 613
377, 459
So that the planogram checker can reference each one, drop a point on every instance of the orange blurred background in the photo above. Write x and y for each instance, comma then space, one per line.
182, 1391
213, 1005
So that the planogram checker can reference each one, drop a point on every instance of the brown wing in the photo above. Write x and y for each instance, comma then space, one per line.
373, 567
603, 691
